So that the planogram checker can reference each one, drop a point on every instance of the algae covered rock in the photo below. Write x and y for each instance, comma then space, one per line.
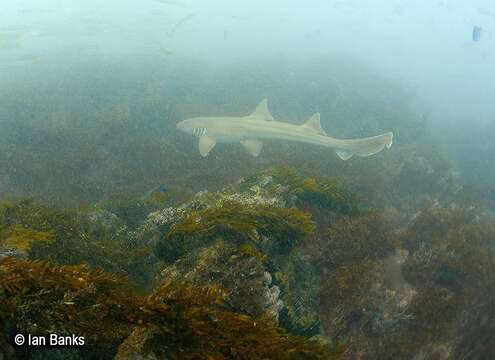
263, 210
451, 264
139, 344
295, 190
299, 281
244, 239
98, 238
273, 229
278, 265
430, 298
177, 321
241, 272
191, 322
21, 240
39, 298
363, 299
205, 241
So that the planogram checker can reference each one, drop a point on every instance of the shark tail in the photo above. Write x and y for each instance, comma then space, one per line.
366, 146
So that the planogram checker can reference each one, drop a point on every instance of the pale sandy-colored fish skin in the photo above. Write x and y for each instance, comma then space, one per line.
250, 130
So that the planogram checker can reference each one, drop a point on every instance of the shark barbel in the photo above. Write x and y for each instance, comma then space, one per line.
259, 125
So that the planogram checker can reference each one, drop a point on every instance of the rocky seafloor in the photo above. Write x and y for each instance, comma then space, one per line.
278, 265
132, 240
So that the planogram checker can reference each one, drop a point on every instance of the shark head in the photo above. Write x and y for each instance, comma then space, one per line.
194, 126
197, 127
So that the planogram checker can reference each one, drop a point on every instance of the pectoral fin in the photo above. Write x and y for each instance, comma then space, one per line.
252, 146
205, 145
344, 154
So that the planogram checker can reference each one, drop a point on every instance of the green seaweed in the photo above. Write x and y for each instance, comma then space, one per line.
325, 193
22, 239
66, 236
239, 223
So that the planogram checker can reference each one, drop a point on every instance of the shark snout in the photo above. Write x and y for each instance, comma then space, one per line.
180, 125
194, 126
183, 126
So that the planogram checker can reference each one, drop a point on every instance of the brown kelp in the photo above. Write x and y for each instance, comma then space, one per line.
427, 298
205, 239
70, 236
240, 223
327, 193
177, 322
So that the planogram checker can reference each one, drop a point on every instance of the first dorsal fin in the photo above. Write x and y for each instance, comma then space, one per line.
262, 112
314, 124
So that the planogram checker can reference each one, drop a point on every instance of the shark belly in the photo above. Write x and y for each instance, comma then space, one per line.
282, 131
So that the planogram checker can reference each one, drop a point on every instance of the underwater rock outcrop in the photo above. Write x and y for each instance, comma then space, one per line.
98, 238
248, 239
450, 263
278, 265
182, 321
39, 298
426, 292
242, 272
230, 260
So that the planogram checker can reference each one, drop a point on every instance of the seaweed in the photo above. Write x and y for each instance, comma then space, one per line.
133, 210
39, 298
68, 236
192, 323
354, 239
326, 193
306, 235
299, 282
447, 271
181, 321
272, 229
239, 271
22, 239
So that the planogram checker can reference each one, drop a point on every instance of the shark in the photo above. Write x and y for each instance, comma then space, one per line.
253, 129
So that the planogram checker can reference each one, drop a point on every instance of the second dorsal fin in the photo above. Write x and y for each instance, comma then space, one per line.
314, 124
262, 112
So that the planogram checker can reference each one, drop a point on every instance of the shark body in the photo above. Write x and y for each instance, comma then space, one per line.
252, 129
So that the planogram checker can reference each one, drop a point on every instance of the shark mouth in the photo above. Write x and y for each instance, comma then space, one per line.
199, 132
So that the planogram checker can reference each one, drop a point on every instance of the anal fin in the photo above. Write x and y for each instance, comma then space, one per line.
344, 154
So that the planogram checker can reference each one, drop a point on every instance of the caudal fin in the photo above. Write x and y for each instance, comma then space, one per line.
366, 146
